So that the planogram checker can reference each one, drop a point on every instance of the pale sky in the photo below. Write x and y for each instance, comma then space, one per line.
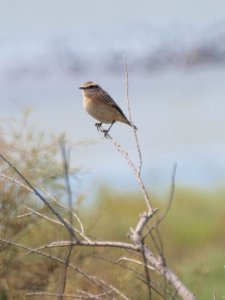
31, 15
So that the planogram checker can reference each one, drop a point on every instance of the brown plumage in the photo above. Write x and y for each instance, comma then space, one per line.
101, 106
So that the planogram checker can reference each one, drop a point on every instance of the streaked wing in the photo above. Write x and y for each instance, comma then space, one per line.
108, 99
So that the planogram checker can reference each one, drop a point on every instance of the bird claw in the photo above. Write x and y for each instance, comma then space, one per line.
101, 129
106, 134
98, 126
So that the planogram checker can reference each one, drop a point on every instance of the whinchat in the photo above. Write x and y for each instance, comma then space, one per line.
99, 104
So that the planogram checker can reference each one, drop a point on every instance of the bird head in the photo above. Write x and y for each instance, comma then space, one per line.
89, 88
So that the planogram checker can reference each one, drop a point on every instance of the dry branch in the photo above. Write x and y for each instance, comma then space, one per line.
150, 261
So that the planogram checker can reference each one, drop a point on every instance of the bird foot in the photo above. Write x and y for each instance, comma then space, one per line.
99, 126
106, 133
101, 129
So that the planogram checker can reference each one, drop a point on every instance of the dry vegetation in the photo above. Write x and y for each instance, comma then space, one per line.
40, 258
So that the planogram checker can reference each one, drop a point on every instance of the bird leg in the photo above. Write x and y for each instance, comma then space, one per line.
107, 131
98, 125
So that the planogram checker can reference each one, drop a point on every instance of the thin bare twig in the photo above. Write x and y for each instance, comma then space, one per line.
16, 182
34, 212
49, 294
81, 231
134, 170
134, 261
130, 116
118, 263
170, 200
92, 296
171, 196
63, 276
115, 289
103, 244
147, 275
39, 195
101, 284
138, 275
67, 179
159, 243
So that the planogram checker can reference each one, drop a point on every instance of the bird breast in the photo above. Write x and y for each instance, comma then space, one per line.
99, 110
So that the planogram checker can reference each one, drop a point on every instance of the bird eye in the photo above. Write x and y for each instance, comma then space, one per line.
93, 86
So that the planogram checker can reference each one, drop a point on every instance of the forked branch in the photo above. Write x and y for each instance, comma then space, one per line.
150, 261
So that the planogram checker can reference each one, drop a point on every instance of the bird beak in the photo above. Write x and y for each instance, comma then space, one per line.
81, 88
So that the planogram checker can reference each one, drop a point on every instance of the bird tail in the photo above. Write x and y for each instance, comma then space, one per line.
132, 125
126, 121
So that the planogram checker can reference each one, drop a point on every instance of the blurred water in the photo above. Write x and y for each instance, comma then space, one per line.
176, 91
149, 48
180, 117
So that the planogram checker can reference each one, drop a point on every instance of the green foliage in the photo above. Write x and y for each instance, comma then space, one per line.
192, 233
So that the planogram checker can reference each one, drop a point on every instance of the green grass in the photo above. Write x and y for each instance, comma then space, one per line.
193, 233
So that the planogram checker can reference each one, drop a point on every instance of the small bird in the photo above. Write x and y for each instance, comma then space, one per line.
99, 104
